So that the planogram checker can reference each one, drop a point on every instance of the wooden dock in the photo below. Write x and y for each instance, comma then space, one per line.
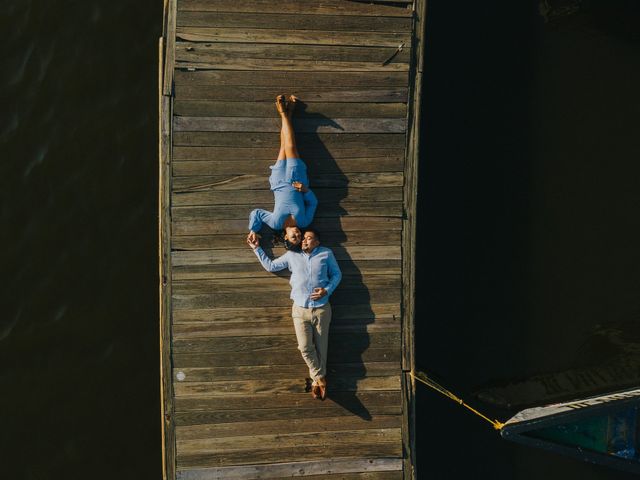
234, 404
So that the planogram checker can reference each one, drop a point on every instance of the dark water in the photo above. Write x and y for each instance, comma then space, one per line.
528, 227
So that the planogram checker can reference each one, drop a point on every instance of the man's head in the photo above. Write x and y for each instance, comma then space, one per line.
293, 235
310, 240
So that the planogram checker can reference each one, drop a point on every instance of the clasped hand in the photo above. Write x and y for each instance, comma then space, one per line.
318, 293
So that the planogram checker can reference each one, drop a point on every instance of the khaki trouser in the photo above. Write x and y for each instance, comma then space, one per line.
312, 332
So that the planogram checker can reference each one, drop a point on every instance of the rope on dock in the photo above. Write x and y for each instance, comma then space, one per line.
429, 382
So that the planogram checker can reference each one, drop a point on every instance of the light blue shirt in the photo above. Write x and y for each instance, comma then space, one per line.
308, 271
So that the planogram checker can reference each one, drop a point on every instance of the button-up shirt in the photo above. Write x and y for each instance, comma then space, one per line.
308, 271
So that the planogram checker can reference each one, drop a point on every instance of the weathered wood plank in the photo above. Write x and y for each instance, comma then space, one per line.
214, 52
290, 79
327, 210
253, 198
287, 400
222, 62
216, 446
164, 251
301, 125
336, 23
200, 417
296, 469
186, 287
249, 327
275, 314
329, 239
272, 140
275, 455
269, 427
213, 108
373, 267
394, 475
292, 37
274, 372
283, 385
281, 357
246, 255
259, 182
266, 344
326, 7
308, 95
326, 153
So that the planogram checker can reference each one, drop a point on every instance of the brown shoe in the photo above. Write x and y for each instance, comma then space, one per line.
322, 385
316, 391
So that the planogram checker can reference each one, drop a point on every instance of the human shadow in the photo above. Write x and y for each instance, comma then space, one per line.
349, 340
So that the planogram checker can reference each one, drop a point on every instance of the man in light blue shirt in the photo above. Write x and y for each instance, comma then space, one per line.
314, 277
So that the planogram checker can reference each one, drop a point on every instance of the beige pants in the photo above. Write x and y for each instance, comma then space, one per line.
312, 332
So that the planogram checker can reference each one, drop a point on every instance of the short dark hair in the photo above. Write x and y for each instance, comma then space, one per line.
314, 231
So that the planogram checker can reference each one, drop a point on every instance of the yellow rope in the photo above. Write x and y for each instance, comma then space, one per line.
421, 377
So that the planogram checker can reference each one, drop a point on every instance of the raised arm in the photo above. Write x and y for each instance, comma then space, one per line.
310, 205
269, 265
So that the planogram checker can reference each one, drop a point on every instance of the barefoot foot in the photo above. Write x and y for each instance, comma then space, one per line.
281, 105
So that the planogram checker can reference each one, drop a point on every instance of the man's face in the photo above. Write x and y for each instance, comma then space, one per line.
293, 235
309, 242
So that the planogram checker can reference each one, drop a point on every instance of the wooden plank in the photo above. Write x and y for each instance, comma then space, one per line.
249, 327
265, 344
223, 62
200, 417
395, 475
276, 455
315, 109
254, 139
274, 314
246, 255
286, 79
409, 240
169, 46
286, 400
282, 385
292, 37
284, 357
301, 125
327, 154
216, 446
329, 239
373, 267
186, 287
308, 95
342, 196
336, 23
326, 7
270, 427
214, 52
260, 182
164, 266
274, 372
327, 210
294, 469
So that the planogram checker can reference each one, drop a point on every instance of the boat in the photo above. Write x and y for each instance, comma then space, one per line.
601, 429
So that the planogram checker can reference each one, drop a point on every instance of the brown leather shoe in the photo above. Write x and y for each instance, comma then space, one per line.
322, 385
316, 391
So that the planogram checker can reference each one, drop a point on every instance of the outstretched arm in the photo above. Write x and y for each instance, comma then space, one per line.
257, 217
269, 265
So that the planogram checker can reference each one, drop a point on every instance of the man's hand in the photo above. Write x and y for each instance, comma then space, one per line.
318, 293
253, 240
299, 187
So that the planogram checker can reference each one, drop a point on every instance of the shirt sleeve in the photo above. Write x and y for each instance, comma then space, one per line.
257, 218
269, 265
333, 272
310, 205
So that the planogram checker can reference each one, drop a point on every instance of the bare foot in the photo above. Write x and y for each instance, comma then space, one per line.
281, 105
291, 106
322, 385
